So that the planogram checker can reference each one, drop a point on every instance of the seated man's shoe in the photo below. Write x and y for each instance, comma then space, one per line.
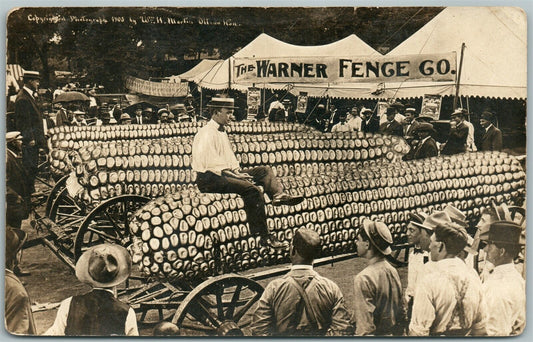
286, 199
20, 273
273, 242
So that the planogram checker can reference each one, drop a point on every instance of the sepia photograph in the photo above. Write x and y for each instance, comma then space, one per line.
265, 171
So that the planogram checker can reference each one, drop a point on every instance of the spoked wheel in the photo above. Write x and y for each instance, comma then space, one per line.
219, 306
65, 211
60, 185
400, 252
108, 222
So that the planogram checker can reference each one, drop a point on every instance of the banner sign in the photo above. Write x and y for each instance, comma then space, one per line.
431, 106
141, 86
434, 67
301, 103
253, 101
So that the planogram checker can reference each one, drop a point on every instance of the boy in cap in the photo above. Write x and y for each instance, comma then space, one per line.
492, 136
456, 142
17, 311
29, 122
378, 290
448, 300
504, 288
125, 119
218, 170
426, 146
302, 302
79, 118
98, 312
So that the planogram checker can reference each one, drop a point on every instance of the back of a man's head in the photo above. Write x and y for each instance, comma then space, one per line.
453, 236
165, 328
306, 243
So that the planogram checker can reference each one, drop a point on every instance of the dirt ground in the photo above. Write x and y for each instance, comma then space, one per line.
52, 281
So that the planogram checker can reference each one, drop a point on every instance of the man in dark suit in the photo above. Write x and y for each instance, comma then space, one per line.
410, 124
138, 119
492, 136
370, 123
62, 118
426, 147
458, 134
29, 122
391, 127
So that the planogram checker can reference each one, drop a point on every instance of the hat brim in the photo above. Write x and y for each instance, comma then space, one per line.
221, 106
366, 225
419, 225
123, 260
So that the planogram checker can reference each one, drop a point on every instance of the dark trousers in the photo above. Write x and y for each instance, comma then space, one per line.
30, 161
254, 202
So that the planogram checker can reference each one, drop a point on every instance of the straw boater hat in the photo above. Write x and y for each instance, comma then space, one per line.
14, 135
31, 75
222, 102
460, 111
163, 111
410, 110
379, 235
78, 112
125, 116
104, 265
433, 220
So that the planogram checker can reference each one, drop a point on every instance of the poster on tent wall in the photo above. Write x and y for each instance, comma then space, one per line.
253, 101
301, 103
431, 106
350, 69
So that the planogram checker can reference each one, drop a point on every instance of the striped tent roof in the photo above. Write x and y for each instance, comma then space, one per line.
16, 71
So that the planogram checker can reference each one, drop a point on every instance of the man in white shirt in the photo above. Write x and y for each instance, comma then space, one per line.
448, 300
504, 288
219, 171
342, 125
354, 120
274, 107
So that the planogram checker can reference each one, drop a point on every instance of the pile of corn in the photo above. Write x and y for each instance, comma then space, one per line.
65, 141
182, 234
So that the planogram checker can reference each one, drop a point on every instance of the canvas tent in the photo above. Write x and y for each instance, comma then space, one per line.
219, 76
495, 54
203, 66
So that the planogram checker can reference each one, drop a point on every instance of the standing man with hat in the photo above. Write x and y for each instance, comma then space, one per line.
426, 146
302, 303
492, 136
370, 122
391, 126
18, 316
139, 119
378, 290
125, 119
456, 142
98, 312
448, 299
354, 120
219, 171
79, 118
29, 122
18, 191
150, 116
189, 107
410, 124
504, 288
163, 115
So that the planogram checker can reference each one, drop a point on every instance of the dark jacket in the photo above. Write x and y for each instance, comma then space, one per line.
492, 140
370, 126
391, 128
28, 119
457, 140
409, 133
425, 150
62, 118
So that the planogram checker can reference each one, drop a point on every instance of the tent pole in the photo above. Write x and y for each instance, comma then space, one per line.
459, 77
229, 74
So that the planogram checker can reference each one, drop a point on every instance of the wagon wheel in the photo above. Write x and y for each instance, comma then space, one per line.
400, 252
60, 185
219, 305
108, 222
65, 211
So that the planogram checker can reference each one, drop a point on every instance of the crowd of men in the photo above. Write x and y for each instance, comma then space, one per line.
445, 296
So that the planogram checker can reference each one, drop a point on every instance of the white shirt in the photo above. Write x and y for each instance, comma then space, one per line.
505, 294
276, 105
58, 328
355, 123
470, 145
212, 151
435, 299
341, 127
415, 269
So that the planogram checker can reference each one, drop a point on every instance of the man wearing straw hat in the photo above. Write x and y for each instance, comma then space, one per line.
302, 302
18, 316
98, 312
448, 299
219, 171
378, 290
458, 136
504, 288
29, 122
